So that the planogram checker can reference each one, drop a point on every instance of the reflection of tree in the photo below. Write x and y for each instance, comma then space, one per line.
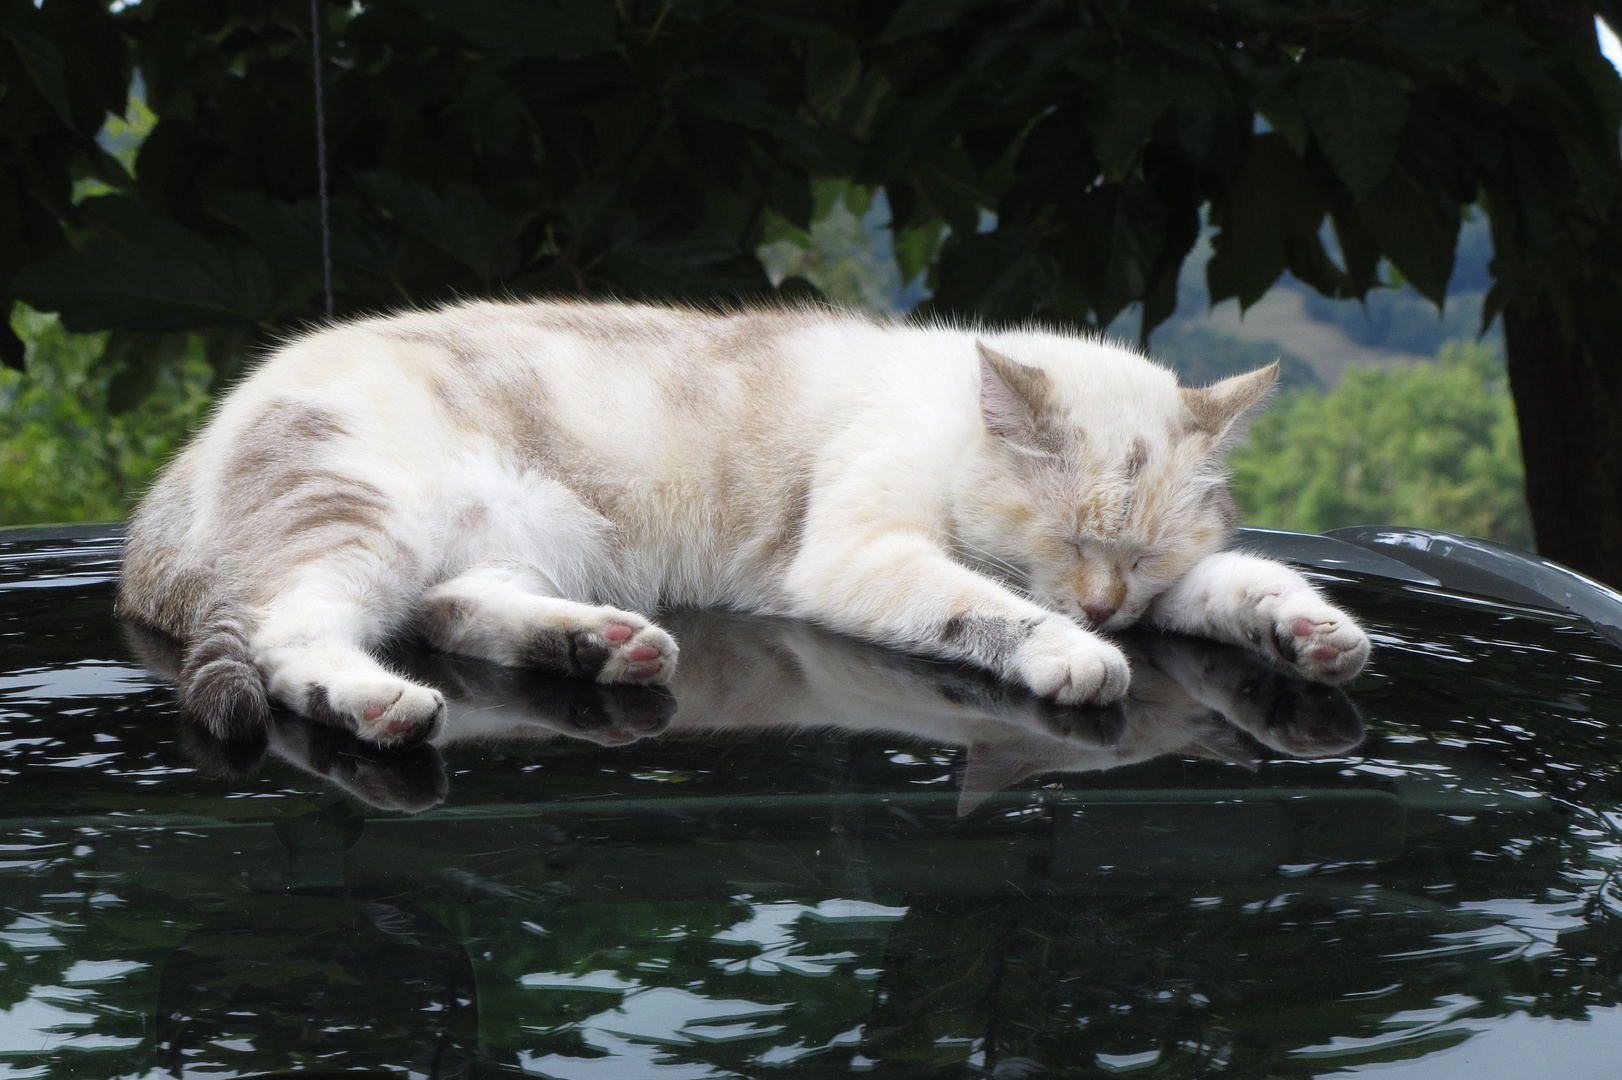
1226, 978
290, 980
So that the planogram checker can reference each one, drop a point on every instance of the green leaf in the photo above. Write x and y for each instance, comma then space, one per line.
175, 280
542, 28
916, 17
788, 192
724, 97
462, 223
22, 25
738, 101
139, 360
699, 263
1283, 114
1359, 250
956, 200
833, 70
1271, 204
1130, 100
912, 130
1418, 232
915, 248
1357, 112
996, 275
1113, 245
288, 235
12, 350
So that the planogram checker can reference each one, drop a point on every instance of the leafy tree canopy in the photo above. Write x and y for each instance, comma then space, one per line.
646, 148
1047, 157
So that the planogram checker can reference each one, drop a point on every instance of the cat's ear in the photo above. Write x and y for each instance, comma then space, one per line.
1015, 400
1216, 410
989, 769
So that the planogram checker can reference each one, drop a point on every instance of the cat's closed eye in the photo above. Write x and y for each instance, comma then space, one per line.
1146, 562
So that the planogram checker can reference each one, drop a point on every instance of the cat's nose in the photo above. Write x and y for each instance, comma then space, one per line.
1098, 614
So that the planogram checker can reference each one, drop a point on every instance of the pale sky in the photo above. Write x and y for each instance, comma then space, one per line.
1608, 43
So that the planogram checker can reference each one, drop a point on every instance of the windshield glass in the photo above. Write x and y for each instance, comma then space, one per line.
814, 857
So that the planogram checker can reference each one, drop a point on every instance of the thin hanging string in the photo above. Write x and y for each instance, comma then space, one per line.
321, 153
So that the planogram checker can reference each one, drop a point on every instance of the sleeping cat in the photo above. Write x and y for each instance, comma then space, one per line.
520, 481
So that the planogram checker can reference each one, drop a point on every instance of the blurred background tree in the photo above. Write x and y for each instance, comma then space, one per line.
1431, 443
63, 455
1071, 161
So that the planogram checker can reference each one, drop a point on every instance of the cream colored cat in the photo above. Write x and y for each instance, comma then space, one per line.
519, 482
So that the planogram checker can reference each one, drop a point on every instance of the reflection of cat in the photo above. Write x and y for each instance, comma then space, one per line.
744, 676
408, 778
511, 478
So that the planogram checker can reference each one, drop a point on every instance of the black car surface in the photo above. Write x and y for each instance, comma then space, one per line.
815, 858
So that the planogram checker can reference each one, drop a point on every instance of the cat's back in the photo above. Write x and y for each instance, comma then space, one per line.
515, 370
659, 418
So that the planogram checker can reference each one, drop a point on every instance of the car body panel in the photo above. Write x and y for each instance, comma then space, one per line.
817, 858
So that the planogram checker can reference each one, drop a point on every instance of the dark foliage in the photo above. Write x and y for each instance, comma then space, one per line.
645, 148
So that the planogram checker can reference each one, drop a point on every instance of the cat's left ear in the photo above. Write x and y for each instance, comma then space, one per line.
1216, 410
1015, 400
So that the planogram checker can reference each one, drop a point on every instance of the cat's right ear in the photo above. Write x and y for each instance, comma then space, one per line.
1015, 400
1218, 411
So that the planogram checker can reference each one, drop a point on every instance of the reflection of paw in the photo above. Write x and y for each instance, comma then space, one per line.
378, 707
1322, 642
1094, 727
618, 647
1063, 662
623, 714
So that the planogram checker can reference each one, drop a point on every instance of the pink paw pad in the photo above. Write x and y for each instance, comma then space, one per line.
396, 727
373, 711
1306, 628
618, 632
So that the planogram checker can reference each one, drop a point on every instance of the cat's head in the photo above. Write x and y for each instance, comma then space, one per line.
1102, 480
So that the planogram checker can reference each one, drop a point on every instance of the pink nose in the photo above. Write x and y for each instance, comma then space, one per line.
1098, 614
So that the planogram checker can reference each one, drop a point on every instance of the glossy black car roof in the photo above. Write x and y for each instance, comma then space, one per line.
817, 858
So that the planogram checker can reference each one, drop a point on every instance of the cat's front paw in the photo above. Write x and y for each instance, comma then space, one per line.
1063, 662
1321, 641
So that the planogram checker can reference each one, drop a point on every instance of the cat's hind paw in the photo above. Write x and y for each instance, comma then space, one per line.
1320, 641
1067, 664
618, 647
379, 708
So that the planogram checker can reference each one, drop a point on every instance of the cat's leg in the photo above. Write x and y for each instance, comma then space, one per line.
503, 614
901, 589
1263, 605
310, 643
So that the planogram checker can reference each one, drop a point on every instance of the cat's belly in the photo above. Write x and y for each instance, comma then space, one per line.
635, 546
